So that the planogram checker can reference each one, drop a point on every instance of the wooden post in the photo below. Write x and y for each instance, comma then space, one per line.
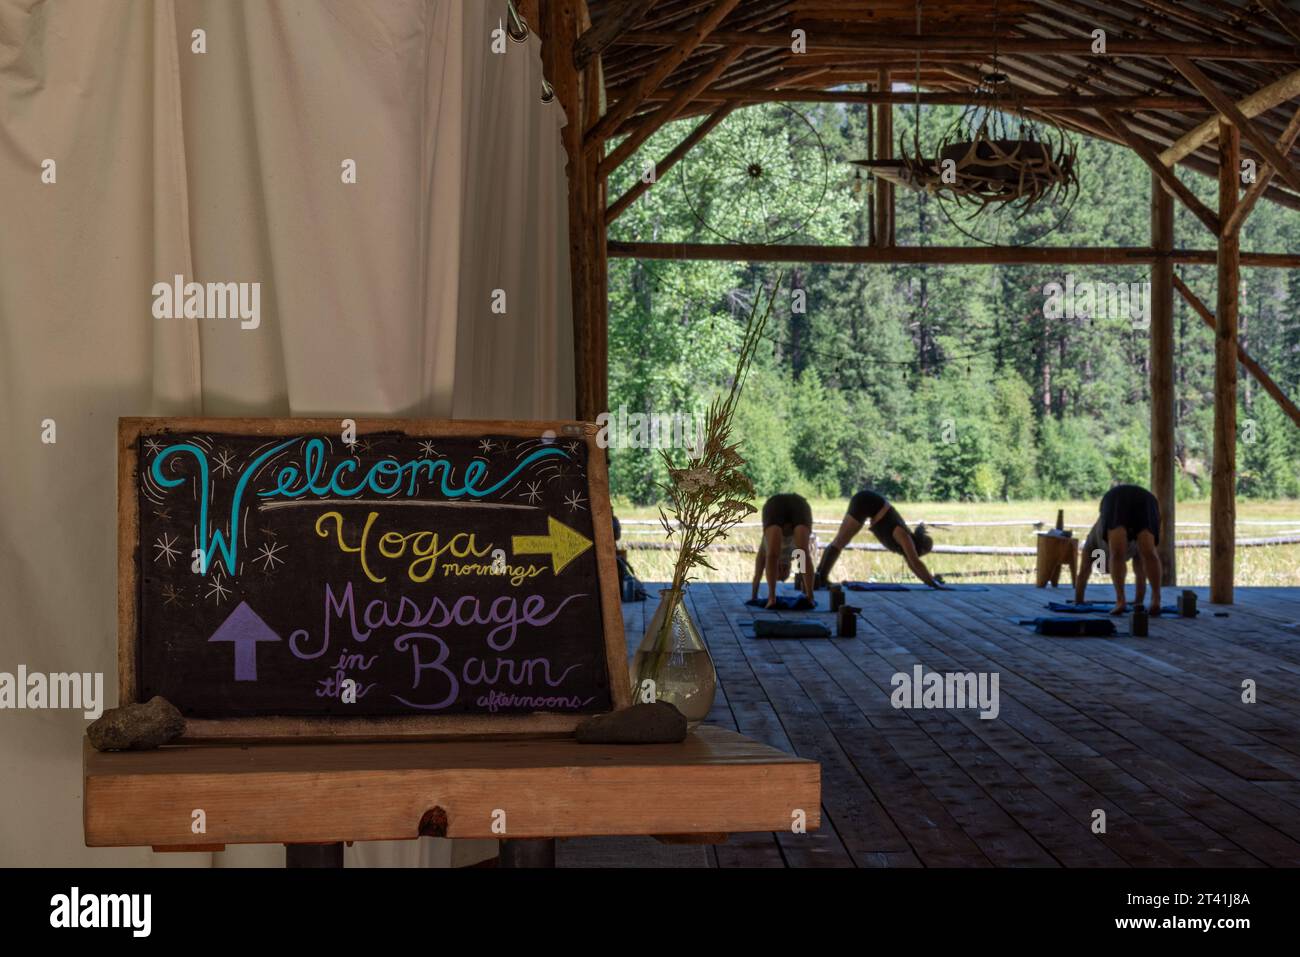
884, 211
1223, 488
593, 381
1161, 353
578, 93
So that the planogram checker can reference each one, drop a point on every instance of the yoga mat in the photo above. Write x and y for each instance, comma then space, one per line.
784, 603
1102, 607
783, 628
896, 586
1034, 623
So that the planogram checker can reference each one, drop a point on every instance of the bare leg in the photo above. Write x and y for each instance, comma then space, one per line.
1117, 539
802, 537
848, 528
772, 545
1151, 562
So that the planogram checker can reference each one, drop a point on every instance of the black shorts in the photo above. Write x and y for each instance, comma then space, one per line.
864, 506
787, 509
1132, 508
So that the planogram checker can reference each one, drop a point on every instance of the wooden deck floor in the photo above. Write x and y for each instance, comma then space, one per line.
1152, 731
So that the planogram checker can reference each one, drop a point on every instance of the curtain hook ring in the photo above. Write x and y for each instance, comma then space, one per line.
518, 28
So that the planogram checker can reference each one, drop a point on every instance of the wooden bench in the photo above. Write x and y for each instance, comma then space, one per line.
527, 792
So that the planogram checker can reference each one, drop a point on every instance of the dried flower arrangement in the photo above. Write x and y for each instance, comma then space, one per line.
711, 493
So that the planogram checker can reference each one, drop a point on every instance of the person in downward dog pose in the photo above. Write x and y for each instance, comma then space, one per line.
787, 527
1128, 529
869, 506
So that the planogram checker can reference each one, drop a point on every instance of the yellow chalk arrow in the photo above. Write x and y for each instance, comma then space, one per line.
562, 543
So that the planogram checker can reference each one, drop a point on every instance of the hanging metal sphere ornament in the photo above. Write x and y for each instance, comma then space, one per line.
994, 168
759, 177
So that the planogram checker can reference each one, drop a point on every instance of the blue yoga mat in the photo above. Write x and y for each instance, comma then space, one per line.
784, 603
897, 586
783, 628
1099, 608
1036, 623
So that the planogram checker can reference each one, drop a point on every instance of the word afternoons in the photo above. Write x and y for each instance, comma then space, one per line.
103, 910
58, 691
947, 690
211, 300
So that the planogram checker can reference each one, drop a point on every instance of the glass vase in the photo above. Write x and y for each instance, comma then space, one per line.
672, 656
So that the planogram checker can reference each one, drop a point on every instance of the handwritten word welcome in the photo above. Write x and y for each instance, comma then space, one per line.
386, 477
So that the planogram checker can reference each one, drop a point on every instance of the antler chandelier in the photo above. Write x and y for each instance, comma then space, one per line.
992, 158
994, 166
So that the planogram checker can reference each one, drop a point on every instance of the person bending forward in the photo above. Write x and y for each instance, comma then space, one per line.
1128, 529
888, 527
787, 526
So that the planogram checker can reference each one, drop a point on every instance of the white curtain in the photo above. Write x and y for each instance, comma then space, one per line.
226, 165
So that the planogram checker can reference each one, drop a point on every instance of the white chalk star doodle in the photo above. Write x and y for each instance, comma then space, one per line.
573, 448
171, 595
574, 501
163, 514
358, 447
152, 446
269, 556
224, 463
167, 550
427, 450
487, 445
218, 591
534, 491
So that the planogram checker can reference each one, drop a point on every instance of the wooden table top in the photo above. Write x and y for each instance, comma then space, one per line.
716, 781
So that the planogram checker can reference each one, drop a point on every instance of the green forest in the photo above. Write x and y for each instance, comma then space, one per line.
941, 383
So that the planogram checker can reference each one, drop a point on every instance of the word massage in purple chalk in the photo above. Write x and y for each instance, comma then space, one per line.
395, 574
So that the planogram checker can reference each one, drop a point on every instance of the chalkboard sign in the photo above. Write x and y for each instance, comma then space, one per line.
324, 577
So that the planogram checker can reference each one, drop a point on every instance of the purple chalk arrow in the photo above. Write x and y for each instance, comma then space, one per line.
245, 629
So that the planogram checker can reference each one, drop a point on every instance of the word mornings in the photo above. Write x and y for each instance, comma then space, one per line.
947, 690
209, 300
59, 691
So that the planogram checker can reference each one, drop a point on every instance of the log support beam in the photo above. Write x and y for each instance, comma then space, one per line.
651, 124
643, 184
1265, 176
1223, 478
686, 44
1250, 365
883, 41
883, 225
578, 93
1230, 112
1164, 176
618, 19
1161, 361
937, 255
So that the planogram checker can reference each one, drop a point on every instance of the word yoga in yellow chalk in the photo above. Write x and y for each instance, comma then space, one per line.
423, 548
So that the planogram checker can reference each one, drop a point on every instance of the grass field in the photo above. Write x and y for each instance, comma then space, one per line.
1263, 565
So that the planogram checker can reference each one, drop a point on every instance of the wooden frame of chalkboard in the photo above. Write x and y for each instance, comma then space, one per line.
133, 680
